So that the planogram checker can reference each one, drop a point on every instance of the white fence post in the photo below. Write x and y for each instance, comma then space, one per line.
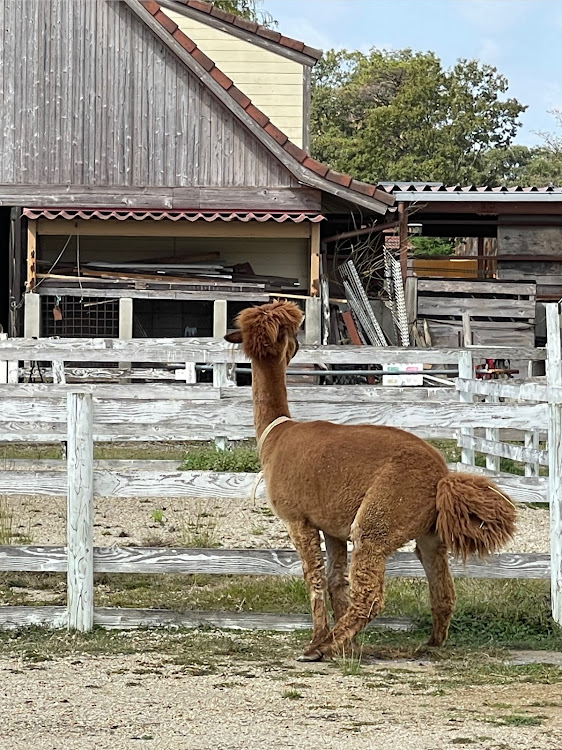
532, 440
80, 512
223, 374
466, 372
554, 378
492, 433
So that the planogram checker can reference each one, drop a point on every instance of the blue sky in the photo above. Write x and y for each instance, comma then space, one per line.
522, 38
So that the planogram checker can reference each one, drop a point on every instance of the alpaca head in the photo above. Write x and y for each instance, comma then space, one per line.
268, 331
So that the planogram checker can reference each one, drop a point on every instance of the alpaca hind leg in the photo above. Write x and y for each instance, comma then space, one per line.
432, 554
338, 583
306, 539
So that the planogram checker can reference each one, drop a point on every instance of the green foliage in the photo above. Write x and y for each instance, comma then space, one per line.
210, 458
250, 9
401, 116
432, 247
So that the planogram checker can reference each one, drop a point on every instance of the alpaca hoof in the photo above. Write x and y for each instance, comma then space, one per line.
313, 655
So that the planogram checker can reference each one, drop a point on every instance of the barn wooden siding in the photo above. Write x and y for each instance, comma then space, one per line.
90, 96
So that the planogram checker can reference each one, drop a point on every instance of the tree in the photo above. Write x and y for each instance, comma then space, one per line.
400, 116
250, 9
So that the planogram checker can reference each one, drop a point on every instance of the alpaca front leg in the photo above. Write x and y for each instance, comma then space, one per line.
368, 566
306, 539
338, 584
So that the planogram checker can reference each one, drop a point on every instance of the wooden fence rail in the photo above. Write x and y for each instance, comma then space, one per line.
80, 415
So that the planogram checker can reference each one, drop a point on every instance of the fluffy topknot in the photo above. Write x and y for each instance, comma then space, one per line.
264, 329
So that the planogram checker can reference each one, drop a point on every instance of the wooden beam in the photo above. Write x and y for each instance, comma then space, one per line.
169, 228
31, 255
315, 260
125, 197
156, 294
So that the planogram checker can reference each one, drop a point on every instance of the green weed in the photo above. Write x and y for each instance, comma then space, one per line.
210, 458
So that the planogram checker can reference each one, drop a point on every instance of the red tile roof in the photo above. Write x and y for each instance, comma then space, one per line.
253, 28
141, 214
320, 170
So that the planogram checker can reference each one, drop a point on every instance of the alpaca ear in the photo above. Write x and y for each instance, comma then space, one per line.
234, 338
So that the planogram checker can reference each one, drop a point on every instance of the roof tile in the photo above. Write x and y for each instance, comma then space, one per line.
339, 178
275, 133
258, 115
151, 6
202, 59
198, 5
184, 40
363, 187
273, 36
240, 97
316, 166
297, 153
166, 21
286, 41
243, 23
222, 14
221, 78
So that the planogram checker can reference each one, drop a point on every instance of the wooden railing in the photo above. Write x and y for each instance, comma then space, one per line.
85, 413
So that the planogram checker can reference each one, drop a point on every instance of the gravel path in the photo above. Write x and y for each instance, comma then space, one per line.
119, 703
230, 523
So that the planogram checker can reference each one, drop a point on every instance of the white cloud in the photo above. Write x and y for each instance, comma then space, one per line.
490, 51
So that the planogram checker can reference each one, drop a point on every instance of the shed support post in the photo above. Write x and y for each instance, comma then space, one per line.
554, 379
32, 316
313, 321
403, 234
80, 512
315, 260
125, 324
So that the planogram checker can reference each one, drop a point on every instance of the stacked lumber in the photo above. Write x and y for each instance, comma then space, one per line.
204, 274
501, 313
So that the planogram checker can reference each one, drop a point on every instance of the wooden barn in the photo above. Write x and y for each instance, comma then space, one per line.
154, 170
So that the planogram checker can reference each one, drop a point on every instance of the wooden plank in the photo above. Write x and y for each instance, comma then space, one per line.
80, 512
495, 448
14, 617
164, 198
141, 392
554, 379
532, 441
493, 435
493, 308
278, 562
446, 333
113, 414
463, 287
212, 350
156, 294
313, 321
466, 370
519, 391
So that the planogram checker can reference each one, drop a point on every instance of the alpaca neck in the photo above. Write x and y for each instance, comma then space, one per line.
270, 393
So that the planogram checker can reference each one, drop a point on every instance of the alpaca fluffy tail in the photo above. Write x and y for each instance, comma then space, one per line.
474, 517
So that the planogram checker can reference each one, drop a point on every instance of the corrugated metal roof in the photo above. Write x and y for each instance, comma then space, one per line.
439, 187
438, 192
70, 214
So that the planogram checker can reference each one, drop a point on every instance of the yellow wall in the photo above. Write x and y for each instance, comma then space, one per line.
273, 82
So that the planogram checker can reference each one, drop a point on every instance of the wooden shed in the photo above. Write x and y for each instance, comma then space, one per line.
154, 171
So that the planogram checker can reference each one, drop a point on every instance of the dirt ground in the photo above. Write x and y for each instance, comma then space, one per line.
123, 702
179, 522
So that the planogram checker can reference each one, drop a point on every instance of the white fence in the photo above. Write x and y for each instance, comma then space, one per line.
83, 414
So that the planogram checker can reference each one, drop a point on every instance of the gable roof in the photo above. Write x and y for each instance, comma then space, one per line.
209, 13
307, 170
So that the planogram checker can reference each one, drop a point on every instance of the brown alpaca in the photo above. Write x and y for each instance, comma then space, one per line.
378, 486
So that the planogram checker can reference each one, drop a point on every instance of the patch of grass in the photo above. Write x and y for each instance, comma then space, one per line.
158, 515
201, 530
349, 665
210, 458
292, 694
9, 534
518, 720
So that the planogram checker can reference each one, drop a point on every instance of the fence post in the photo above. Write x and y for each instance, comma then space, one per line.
493, 433
80, 512
224, 375
532, 440
466, 372
554, 378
